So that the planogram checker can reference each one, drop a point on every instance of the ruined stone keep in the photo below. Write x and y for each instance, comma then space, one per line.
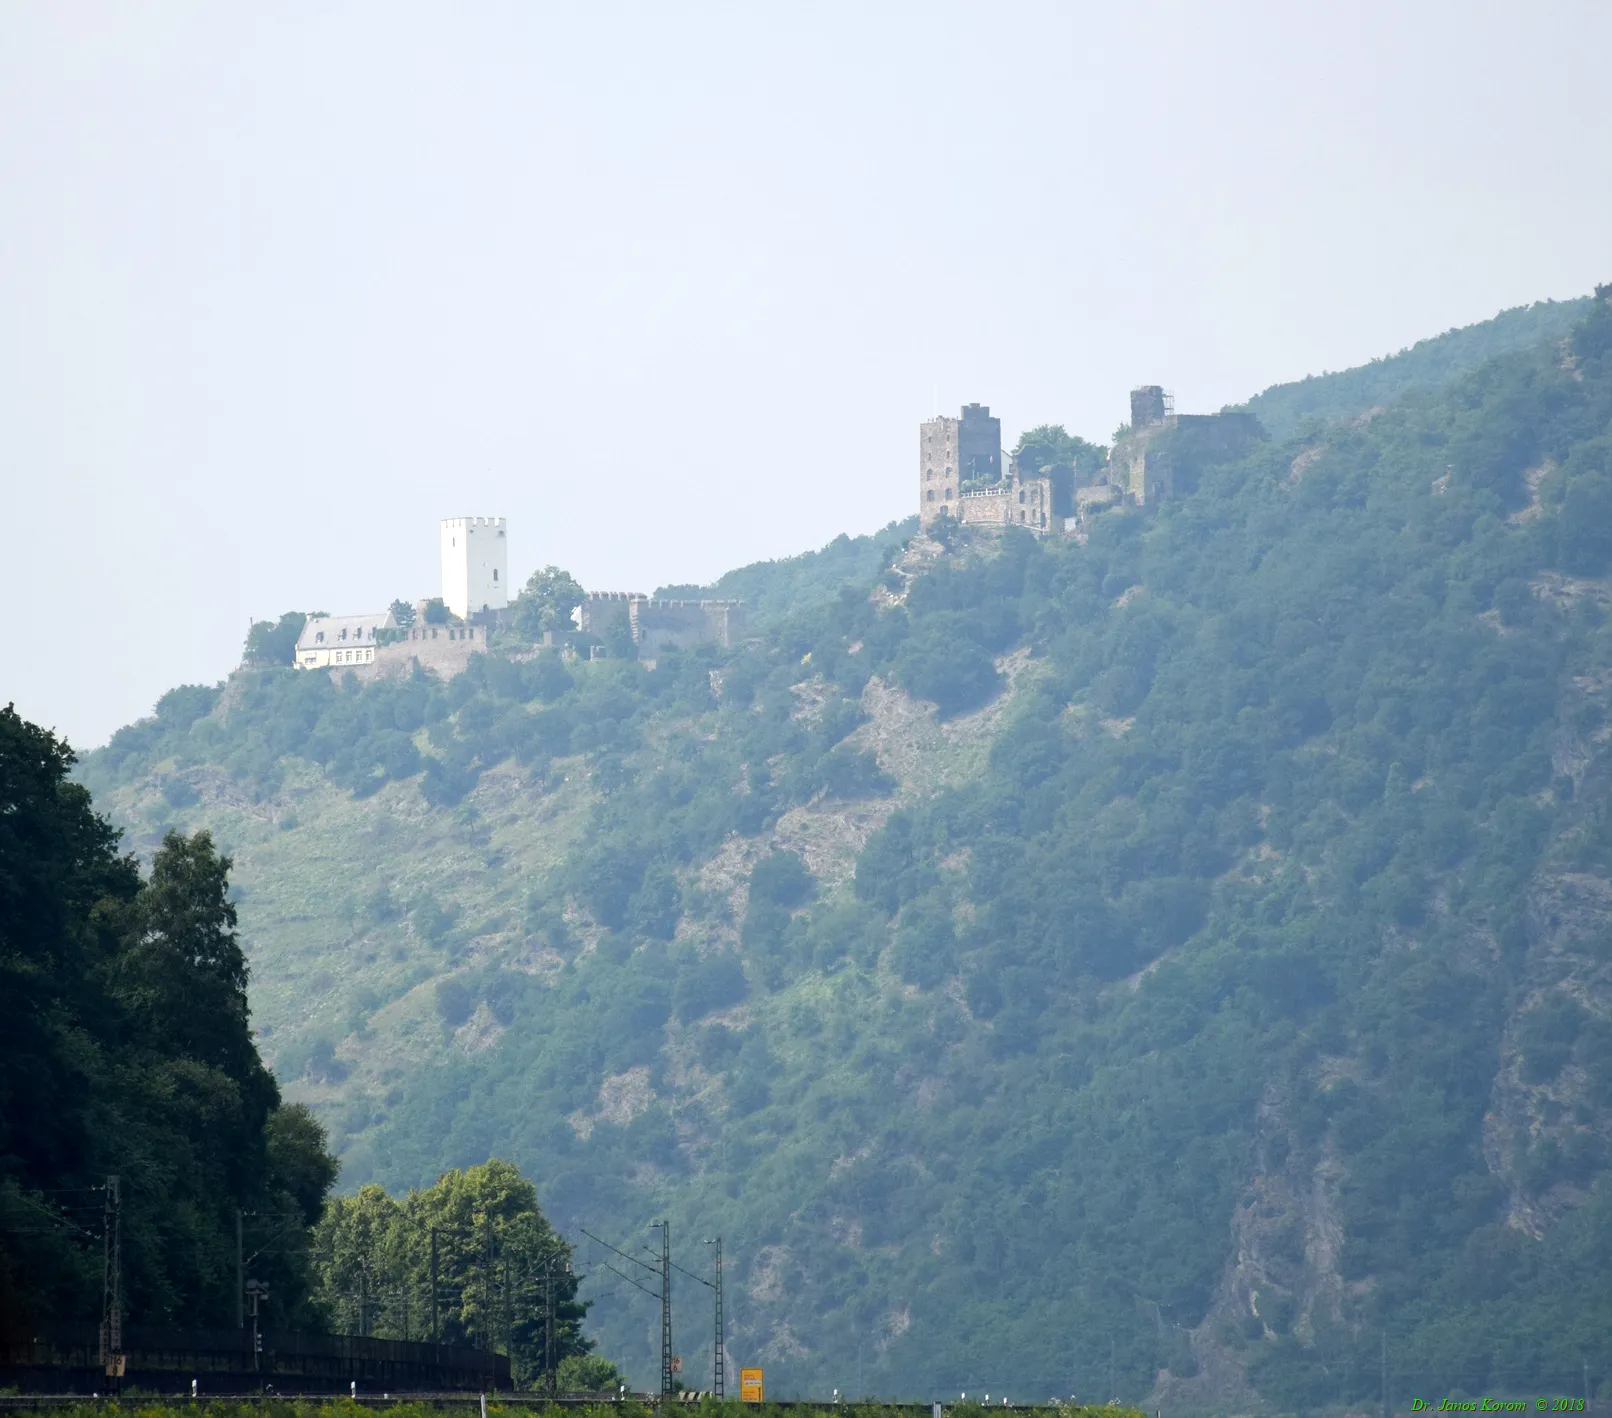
960, 467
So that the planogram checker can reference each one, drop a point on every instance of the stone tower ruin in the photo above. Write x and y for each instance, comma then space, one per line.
954, 455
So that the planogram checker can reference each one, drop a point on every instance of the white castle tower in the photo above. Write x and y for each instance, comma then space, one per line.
475, 565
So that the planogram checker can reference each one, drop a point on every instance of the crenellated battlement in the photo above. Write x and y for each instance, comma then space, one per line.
655, 622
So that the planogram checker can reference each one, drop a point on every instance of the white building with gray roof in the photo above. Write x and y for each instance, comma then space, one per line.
341, 639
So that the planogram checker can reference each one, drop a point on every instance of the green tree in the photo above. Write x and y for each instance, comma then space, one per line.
498, 1262
587, 1373
129, 1052
1048, 446
546, 601
273, 642
403, 613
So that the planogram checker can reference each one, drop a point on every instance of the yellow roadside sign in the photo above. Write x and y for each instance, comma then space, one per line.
750, 1389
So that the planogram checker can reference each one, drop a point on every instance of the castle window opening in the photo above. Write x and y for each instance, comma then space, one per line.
495, 577
930, 495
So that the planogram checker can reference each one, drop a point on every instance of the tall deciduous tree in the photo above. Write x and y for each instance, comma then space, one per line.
274, 642
546, 602
128, 1051
497, 1257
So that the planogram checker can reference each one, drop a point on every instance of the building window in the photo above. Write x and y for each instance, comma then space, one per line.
930, 495
495, 573
948, 494
1021, 494
319, 637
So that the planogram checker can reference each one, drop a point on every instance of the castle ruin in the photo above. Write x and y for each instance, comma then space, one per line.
655, 624
1163, 444
960, 473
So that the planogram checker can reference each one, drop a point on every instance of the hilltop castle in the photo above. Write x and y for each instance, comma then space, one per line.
442, 635
960, 472
960, 476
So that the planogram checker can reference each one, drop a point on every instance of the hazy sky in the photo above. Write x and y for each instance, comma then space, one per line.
669, 285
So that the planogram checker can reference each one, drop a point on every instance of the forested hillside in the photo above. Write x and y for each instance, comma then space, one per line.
1178, 964
1428, 364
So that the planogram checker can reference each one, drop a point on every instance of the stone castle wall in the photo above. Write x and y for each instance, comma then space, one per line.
1014, 502
443, 650
605, 611
657, 624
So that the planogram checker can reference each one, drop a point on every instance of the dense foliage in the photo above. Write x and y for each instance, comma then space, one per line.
1216, 982
545, 603
273, 642
498, 1268
128, 1053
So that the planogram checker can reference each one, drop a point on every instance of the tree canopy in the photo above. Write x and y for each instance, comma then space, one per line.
274, 642
546, 601
129, 1053
498, 1265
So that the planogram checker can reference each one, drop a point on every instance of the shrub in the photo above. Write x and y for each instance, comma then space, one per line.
456, 1001
781, 879
708, 984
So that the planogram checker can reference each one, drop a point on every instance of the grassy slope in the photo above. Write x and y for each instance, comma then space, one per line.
897, 1148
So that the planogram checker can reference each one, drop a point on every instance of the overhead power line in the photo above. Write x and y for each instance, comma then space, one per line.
653, 1294
623, 1254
